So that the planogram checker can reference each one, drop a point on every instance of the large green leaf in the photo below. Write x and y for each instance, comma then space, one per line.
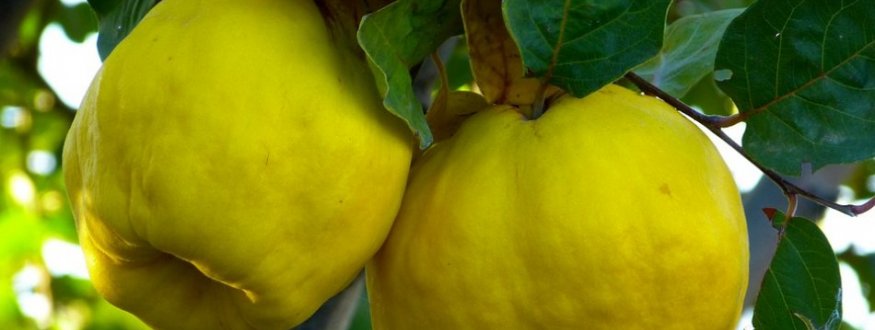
584, 45
802, 285
116, 20
396, 38
688, 53
803, 71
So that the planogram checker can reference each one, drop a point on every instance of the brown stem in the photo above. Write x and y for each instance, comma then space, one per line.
715, 125
539, 106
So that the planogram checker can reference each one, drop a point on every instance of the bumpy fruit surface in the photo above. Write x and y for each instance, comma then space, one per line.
607, 212
232, 166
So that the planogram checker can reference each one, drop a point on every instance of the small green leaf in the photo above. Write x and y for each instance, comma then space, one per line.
397, 37
802, 70
688, 53
586, 44
778, 220
116, 20
802, 284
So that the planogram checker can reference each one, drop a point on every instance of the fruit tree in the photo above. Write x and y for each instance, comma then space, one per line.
462, 164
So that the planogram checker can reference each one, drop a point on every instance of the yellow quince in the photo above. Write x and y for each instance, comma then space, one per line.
610, 211
232, 166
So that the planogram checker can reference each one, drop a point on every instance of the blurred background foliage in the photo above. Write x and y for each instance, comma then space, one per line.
40, 290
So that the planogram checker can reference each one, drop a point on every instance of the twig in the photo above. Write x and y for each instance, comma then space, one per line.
792, 201
715, 125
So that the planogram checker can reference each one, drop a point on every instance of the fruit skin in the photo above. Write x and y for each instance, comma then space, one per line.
232, 166
608, 212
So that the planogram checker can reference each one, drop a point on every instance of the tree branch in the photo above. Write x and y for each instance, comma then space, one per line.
715, 125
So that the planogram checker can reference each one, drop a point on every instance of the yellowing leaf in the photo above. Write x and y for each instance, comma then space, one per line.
495, 57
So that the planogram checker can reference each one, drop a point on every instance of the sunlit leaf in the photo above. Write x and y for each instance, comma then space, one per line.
687, 8
21, 235
802, 281
584, 45
688, 53
495, 57
397, 37
803, 71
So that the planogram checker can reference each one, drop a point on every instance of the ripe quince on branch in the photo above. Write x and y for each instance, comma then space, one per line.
232, 166
606, 212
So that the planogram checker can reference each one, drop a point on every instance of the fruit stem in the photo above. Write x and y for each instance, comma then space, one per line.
538, 106
715, 125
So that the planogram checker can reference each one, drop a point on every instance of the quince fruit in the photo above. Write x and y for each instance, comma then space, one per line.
607, 212
232, 166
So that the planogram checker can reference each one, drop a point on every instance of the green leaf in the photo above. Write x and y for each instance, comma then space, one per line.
459, 67
707, 98
687, 8
802, 70
688, 53
116, 20
397, 37
802, 283
78, 21
584, 45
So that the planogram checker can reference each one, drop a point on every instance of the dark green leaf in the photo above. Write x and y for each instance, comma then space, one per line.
846, 326
397, 37
688, 53
864, 265
16, 86
585, 45
802, 70
78, 21
117, 18
802, 283
66, 289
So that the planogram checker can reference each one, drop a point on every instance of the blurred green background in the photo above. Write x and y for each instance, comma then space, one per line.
42, 279
43, 282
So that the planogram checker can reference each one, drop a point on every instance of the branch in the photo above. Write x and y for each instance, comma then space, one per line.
715, 125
